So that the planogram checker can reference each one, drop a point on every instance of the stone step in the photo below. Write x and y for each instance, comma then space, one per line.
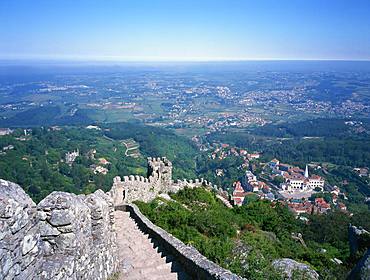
171, 276
134, 275
154, 271
143, 245
149, 263
140, 256
142, 260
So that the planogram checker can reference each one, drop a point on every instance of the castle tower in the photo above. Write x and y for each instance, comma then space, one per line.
161, 170
306, 172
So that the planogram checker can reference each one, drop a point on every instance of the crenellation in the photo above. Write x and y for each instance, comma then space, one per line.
158, 180
117, 179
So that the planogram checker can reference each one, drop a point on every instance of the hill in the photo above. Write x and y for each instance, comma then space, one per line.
248, 239
37, 161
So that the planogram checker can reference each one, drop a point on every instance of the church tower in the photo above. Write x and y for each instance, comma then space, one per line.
306, 172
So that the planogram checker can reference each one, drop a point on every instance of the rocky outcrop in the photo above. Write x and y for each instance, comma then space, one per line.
292, 269
357, 236
359, 240
362, 269
65, 236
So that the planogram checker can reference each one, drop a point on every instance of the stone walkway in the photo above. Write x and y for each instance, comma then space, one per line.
140, 258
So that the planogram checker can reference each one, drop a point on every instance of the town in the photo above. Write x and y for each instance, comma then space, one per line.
299, 190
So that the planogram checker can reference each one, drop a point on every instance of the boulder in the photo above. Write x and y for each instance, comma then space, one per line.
292, 269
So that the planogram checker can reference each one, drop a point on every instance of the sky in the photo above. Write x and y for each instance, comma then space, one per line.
131, 30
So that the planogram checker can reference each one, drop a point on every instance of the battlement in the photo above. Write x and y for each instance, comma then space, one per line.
131, 178
158, 161
159, 180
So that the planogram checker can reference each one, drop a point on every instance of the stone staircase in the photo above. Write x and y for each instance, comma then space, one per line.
140, 257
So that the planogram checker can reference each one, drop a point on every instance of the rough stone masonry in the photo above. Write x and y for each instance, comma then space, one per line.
68, 236
159, 180
65, 236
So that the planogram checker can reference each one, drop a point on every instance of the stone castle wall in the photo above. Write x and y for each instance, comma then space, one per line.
65, 236
159, 180
68, 236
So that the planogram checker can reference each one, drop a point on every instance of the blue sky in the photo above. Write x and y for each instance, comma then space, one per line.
185, 30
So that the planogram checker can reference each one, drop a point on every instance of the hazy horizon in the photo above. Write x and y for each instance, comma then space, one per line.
164, 30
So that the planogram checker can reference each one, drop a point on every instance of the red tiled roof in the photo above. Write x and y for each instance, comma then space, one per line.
239, 194
238, 201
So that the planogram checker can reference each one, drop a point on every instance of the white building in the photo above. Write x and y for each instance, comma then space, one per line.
71, 156
297, 182
5, 131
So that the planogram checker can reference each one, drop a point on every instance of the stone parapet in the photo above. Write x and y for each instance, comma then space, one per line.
194, 263
65, 236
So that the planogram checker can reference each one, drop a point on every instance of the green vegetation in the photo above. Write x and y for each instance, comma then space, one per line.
46, 116
247, 239
37, 161
311, 128
349, 151
157, 142
231, 165
329, 142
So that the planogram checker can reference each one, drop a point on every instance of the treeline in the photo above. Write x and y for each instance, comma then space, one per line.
349, 151
46, 116
310, 128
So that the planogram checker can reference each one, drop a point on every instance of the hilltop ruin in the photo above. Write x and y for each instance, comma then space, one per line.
68, 236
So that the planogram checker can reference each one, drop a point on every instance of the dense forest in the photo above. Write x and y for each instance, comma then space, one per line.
247, 239
158, 142
315, 128
46, 116
206, 167
349, 151
36, 161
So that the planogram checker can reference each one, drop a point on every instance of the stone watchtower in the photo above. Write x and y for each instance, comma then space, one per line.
133, 188
161, 170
